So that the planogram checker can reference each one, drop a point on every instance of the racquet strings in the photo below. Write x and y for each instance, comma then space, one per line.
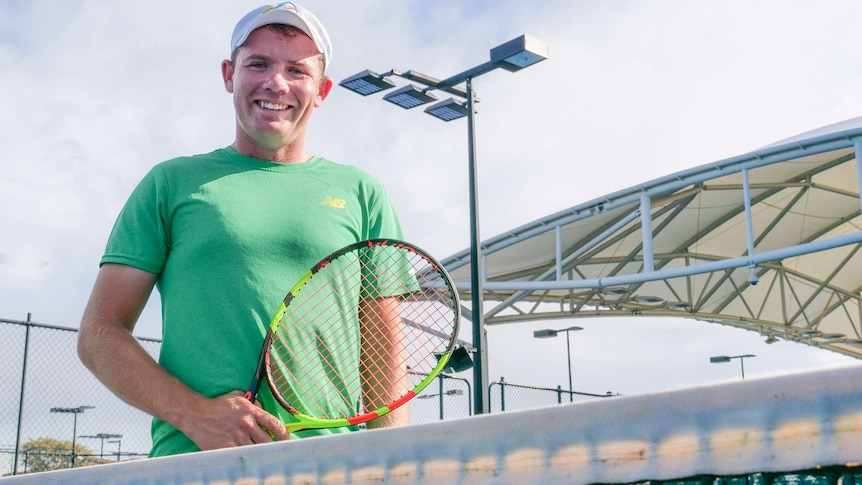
331, 332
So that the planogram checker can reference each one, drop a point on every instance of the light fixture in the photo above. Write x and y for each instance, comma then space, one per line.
410, 96
771, 339
459, 361
450, 392
367, 82
448, 110
721, 359
615, 292
679, 305
649, 300
546, 333
808, 334
519, 53
832, 336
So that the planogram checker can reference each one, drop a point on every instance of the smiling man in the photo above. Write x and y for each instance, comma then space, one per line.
277, 77
223, 236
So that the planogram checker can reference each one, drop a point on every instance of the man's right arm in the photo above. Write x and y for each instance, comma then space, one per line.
108, 348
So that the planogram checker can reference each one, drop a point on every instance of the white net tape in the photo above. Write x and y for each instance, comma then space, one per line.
780, 424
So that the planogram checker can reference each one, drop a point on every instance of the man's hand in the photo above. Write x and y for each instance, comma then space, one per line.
106, 346
231, 420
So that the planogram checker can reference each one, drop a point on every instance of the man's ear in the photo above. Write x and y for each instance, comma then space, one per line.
323, 91
227, 75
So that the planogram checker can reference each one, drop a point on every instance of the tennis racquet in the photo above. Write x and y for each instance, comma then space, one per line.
344, 343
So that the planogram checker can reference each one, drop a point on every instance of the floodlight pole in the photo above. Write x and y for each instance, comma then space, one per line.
75, 412
512, 56
480, 365
102, 437
553, 333
119, 447
477, 318
719, 359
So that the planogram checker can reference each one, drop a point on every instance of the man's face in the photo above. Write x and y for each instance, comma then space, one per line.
276, 80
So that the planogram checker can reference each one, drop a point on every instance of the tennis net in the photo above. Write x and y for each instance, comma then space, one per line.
794, 429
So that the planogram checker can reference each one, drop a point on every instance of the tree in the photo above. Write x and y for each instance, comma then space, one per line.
44, 454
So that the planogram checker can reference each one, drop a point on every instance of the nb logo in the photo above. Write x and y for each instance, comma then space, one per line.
334, 202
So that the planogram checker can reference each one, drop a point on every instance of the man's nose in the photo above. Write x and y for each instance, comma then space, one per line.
277, 81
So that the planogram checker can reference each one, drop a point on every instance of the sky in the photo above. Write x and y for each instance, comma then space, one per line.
94, 93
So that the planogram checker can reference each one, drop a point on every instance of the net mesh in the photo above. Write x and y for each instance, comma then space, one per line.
796, 429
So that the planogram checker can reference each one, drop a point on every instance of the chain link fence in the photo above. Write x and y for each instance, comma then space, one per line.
49, 400
51, 404
505, 396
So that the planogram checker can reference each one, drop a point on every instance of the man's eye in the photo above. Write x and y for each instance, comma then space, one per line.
258, 65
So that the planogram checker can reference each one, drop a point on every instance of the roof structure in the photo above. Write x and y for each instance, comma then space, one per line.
768, 241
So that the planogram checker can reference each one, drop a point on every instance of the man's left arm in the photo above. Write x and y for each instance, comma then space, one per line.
384, 367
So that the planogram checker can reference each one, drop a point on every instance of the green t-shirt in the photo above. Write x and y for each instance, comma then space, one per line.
228, 236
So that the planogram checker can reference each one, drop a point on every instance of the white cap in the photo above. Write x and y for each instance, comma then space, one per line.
287, 13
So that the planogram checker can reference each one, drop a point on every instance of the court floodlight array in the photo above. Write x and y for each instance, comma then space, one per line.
793, 429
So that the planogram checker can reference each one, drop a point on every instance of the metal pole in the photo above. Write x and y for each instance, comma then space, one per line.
857, 146
21, 395
569, 355
74, 432
469, 398
440, 379
480, 364
742, 366
646, 233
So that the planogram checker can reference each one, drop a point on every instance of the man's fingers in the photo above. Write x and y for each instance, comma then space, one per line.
276, 429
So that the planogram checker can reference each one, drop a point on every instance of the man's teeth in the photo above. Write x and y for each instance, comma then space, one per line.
278, 107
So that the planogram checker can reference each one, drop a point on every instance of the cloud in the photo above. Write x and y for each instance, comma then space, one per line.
94, 93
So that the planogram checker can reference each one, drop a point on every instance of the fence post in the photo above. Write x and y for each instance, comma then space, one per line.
559, 394
502, 394
440, 395
21, 395
470, 397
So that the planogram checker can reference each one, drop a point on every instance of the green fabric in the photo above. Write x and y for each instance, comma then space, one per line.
228, 236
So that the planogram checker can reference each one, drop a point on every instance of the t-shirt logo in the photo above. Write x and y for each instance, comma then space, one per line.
334, 202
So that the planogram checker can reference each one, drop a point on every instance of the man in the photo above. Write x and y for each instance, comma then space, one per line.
223, 236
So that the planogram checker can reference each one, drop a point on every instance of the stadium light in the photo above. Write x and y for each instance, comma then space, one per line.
721, 359
448, 110
459, 360
550, 333
367, 82
102, 437
511, 56
75, 412
409, 96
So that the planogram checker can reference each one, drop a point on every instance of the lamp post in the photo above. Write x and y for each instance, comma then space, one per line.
119, 444
450, 392
102, 437
75, 412
720, 359
512, 56
549, 333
